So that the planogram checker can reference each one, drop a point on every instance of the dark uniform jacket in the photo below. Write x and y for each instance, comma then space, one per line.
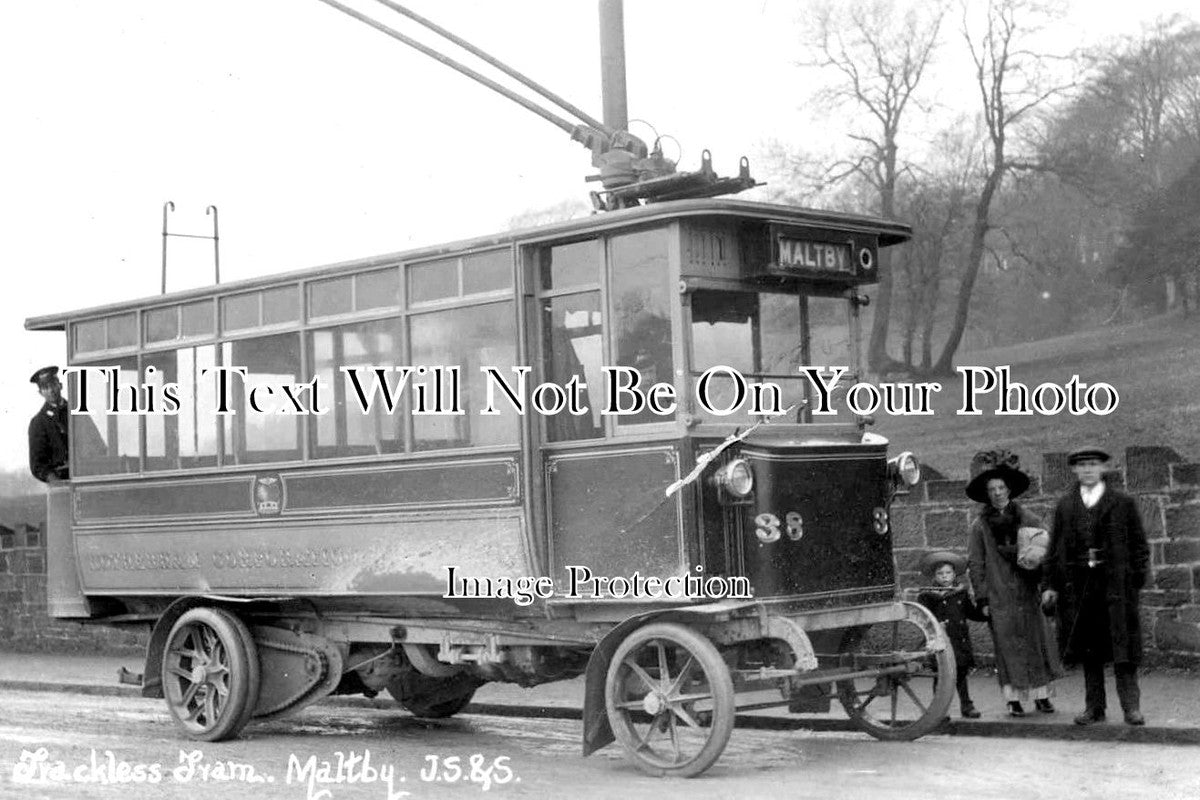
48, 442
953, 607
1085, 594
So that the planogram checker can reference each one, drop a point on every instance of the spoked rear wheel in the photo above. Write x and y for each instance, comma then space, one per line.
913, 684
670, 700
210, 674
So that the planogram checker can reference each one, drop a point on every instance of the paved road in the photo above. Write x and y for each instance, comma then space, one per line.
82, 740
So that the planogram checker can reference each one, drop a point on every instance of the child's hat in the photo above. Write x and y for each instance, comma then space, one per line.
931, 561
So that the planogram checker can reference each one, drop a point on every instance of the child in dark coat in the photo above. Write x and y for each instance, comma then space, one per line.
952, 605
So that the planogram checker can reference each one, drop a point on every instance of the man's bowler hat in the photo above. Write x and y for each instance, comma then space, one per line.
44, 375
1082, 453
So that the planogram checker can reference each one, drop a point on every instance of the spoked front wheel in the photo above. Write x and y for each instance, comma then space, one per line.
904, 684
670, 700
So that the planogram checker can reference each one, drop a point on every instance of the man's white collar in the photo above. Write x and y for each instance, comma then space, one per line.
1091, 494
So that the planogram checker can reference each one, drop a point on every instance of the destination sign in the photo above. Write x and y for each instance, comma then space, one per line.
821, 256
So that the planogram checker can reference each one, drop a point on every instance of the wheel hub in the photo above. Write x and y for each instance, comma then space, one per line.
200, 673
654, 703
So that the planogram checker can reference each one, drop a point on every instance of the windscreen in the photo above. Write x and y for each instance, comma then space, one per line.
765, 338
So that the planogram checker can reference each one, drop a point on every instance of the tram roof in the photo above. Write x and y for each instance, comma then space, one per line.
889, 233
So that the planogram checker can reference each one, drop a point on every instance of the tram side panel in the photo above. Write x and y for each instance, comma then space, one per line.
65, 598
609, 514
390, 530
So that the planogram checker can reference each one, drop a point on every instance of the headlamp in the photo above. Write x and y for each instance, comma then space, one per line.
905, 469
736, 478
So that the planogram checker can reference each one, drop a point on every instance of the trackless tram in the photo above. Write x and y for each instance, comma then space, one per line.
343, 496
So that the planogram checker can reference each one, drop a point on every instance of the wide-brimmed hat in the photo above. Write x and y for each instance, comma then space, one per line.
931, 561
1097, 453
1003, 464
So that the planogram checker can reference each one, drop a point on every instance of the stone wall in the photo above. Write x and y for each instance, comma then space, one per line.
24, 623
937, 514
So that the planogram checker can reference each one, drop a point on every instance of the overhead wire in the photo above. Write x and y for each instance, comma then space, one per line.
500, 65
525, 102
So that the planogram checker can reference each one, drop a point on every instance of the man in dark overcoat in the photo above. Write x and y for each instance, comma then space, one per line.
1095, 569
48, 429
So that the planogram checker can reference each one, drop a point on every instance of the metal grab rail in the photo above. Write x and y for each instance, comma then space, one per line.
168, 207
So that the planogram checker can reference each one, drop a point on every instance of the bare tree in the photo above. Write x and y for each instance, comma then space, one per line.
1151, 87
1148, 84
935, 203
1185, 102
880, 55
1013, 83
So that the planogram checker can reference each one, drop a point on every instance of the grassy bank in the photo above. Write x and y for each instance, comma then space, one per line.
1154, 366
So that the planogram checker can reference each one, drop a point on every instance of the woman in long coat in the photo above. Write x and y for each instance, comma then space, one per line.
1025, 661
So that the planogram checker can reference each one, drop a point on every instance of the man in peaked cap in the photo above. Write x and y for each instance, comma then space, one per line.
1096, 567
48, 429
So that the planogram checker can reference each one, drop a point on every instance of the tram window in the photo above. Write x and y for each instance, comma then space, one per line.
574, 346
641, 302
188, 438
723, 330
168, 324
569, 265
197, 318
433, 280
487, 272
782, 334
109, 333
758, 334
122, 331
252, 437
89, 336
829, 332
346, 430
162, 324
471, 337
239, 312
329, 297
280, 305
103, 443
379, 289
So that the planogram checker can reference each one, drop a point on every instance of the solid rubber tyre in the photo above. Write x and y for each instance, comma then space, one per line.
652, 690
914, 703
210, 674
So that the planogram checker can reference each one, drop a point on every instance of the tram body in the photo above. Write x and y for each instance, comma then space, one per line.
280, 554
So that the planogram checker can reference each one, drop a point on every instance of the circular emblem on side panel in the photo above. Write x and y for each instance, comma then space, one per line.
881, 521
268, 495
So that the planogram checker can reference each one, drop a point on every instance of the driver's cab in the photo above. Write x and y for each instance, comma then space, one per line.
715, 299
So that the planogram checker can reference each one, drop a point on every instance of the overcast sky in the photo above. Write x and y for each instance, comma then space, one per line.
321, 140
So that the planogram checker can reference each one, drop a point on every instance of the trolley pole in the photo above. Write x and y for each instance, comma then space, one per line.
612, 64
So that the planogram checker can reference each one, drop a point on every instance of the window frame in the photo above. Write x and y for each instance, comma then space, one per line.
302, 327
611, 428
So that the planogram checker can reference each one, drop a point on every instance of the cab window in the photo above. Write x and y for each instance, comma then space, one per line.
765, 337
